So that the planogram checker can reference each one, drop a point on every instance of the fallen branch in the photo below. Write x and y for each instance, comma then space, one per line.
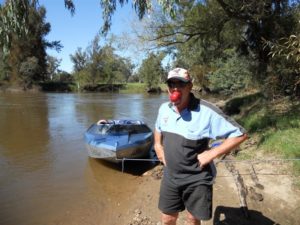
242, 190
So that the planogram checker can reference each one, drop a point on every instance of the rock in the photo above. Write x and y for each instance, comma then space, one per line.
157, 173
138, 219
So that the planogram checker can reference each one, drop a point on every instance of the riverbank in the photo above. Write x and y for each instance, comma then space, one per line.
63, 87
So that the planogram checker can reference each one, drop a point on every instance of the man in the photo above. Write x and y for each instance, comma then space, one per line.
183, 129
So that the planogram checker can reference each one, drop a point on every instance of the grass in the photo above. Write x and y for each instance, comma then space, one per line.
277, 125
266, 118
134, 88
285, 143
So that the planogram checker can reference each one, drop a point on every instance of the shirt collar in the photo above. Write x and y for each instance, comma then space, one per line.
194, 102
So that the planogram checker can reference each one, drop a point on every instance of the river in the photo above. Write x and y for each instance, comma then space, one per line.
46, 175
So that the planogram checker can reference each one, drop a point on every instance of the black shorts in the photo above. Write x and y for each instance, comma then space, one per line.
197, 199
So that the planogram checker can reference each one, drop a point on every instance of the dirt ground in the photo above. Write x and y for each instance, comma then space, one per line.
262, 194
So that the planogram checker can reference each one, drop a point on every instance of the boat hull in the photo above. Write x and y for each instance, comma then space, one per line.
117, 146
136, 151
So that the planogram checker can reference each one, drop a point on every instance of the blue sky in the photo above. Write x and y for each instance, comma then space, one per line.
79, 30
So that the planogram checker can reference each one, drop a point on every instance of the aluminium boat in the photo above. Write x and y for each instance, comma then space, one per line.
115, 140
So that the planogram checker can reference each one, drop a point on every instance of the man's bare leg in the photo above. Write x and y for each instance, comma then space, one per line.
169, 219
191, 220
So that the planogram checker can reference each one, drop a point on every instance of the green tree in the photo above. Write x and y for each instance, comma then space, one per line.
52, 66
63, 76
125, 68
203, 31
231, 74
285, 76
20, 45
94, 65
151, 71
79, 59
206, 29
114, 68
100, 64
81, 78
269, 20
28, 70
14, 21
3, 69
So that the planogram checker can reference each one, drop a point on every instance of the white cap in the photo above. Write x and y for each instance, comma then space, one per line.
180, 74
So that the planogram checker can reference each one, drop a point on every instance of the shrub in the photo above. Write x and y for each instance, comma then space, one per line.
231, 75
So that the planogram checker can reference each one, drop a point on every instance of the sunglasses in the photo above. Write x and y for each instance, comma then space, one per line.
177, 84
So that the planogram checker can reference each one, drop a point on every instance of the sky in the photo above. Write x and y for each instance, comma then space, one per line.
79, 30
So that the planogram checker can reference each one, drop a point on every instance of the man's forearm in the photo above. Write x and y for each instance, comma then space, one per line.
159, 151
228, 145
158, 147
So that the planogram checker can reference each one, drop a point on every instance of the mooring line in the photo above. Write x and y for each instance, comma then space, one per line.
257, 160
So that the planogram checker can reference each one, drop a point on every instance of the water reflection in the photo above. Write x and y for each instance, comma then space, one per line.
24, 131
24, 151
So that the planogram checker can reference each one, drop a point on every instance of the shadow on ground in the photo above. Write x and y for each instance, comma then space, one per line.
136, 168
237, 216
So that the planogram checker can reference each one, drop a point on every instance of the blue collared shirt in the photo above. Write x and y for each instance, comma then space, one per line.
187, 134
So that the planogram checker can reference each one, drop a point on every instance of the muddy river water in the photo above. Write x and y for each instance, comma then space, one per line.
46, 175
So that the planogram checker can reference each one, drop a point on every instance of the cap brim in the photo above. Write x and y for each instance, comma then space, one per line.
178, 78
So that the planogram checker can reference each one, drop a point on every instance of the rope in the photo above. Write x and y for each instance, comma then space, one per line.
257, 160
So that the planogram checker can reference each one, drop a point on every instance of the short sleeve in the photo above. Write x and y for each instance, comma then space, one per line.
223, 126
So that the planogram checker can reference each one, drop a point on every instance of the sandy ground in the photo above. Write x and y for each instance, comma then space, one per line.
270, 197
245, 193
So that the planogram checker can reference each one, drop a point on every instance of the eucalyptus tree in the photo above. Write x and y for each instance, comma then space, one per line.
22, 40
198, 20
272, 22
206, 24
79, 59
263, 20
285, 55
151, 71
18, 13
125, 69
113, 68
203, 31
13, 20
100, 64
95, 63
196, 23
53, 64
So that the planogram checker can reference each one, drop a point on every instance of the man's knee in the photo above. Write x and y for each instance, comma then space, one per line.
169, 219
192, 220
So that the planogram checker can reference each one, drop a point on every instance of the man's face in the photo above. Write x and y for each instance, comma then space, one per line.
184, 88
